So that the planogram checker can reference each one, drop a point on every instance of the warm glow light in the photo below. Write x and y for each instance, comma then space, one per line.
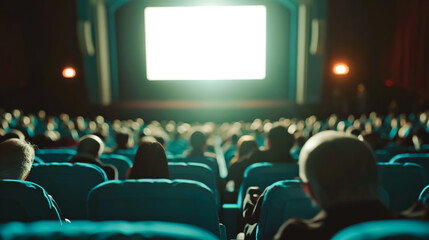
388, 82
341, 69
69, 72
205, 42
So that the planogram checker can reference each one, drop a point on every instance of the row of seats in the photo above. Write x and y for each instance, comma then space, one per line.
70, 183
402, 183
122, 163
151, 230
181, 201
89, 230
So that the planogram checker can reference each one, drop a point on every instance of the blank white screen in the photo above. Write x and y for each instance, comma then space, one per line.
205, 42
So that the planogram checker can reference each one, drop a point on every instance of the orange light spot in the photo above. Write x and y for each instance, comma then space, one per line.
341, 69
69, 72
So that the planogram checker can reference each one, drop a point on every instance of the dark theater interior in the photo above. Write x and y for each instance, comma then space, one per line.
253, 119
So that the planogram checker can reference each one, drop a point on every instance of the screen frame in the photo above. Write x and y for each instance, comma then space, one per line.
113, 5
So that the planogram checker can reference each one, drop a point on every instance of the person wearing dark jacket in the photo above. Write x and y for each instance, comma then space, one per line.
89, 149
339, 173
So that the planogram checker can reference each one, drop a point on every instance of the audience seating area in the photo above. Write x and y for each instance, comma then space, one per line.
387, 229
87, 230
283, 200
189, 206
25, 201
69, 183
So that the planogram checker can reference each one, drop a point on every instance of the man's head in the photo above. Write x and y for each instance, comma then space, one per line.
280, 138
16, 159
91, 145
338, 169
123, 139
198, 141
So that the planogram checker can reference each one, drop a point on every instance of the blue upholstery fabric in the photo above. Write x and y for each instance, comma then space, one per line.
382, 155
211, 162
424, 196
129, 153
403, 183
45, 230
282, 201
385, 230
122, 163
421, 159
25, 201
55, 155
37, 160
182, 201
69, 184
265, 174
197, 172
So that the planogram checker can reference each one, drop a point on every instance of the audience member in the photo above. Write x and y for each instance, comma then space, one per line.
150, 162
13, 133
339, 173
198, 142
124, 139
89, 149
279, 143
16, 159
231, 150
246, 145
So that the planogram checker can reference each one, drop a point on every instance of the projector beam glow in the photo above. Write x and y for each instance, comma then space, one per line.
205, 42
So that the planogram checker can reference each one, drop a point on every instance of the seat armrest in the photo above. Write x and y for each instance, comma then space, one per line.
222, 231
231, 214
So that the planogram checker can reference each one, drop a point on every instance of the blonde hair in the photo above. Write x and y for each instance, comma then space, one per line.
246, 145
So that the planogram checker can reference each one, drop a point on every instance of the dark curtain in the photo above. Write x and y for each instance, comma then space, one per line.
410, 55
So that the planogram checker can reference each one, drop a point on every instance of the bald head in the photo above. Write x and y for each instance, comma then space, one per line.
339, 168
16, 158
90, 144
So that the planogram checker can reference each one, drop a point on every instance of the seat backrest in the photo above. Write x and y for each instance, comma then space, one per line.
403, 183
385, 230
182, 201
87, 230
211, 162
421, 159
37, 160
122, 163
197, 172
282, 201
129, 153
382, 155
26, 202
69, 184
424, 196
265, 174
55, 155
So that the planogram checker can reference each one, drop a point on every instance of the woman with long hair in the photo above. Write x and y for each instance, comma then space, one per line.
150, 162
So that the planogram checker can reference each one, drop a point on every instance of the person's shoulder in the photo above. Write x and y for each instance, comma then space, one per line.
210, 155
292, 229
259, 155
